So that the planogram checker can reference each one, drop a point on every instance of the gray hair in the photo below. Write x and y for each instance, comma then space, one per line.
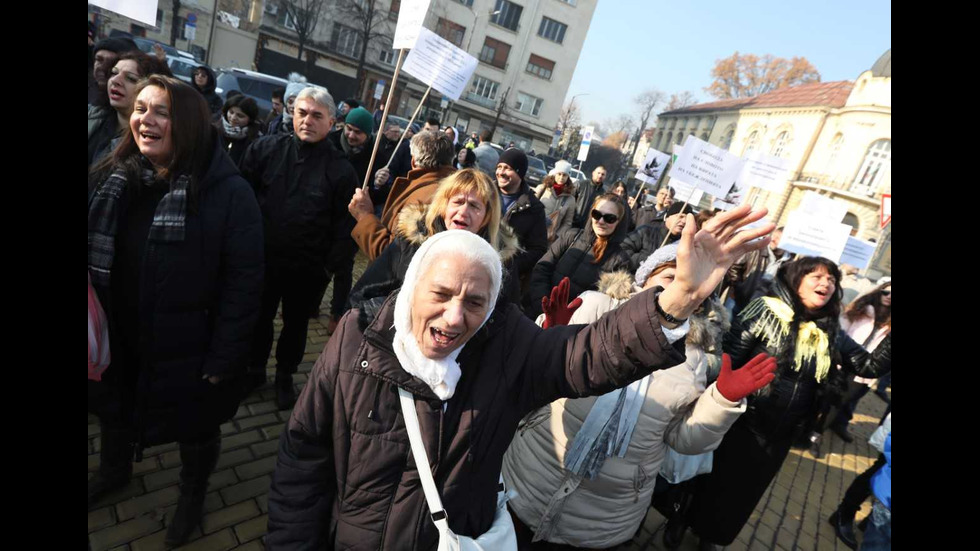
321, 96
431, 149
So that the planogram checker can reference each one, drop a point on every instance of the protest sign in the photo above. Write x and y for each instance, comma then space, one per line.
707, 167
440, 64
411, 15
685, 192
144, 11
652, 167
736, 196
583, 150
764, 172
819, 206
886, 209
857, 253
811, 235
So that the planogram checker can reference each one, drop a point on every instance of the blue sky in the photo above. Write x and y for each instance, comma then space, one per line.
635, 44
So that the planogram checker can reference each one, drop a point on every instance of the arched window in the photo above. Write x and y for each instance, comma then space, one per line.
727, 142
670, 136
851, 220
876, 161
782, 140
680, 138
704, 136
753, 142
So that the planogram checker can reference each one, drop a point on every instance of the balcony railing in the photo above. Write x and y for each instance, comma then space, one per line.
480, 100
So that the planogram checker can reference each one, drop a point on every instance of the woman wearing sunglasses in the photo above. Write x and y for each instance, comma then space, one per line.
581, 255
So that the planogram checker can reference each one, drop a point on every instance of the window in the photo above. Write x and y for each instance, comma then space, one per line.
680, 138
782, 140
485, 87
386, 55
540, 66
451, 31
345, 40
852, 220
509, 16
753, 142
727, 142
528, 104
876, 160
552, 30
468, 3
495, 53
160, 20
670, 136
704, 136
137, 30
462, 123
285, 18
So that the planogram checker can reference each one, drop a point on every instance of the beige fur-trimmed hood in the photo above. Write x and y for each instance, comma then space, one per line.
411, 227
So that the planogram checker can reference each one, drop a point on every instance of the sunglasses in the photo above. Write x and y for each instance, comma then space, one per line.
886, 292
609, 218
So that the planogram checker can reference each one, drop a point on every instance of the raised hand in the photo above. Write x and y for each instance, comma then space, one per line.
757, 373
557, 310
360, 204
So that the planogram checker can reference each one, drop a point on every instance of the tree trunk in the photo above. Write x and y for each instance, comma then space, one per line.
174, 30
302, 42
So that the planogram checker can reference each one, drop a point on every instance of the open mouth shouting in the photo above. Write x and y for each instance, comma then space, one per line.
459, 224
443, 339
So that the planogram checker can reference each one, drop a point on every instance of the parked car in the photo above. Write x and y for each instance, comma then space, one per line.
577, 175
182, 67
258, 86
535, 171
549, 161
146, 45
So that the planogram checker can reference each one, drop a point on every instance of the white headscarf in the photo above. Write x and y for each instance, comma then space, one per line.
455, 135
443, 374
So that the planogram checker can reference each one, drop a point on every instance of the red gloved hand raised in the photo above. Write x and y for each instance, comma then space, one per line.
757, 373
558, 310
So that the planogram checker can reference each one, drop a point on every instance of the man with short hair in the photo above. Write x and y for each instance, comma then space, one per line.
486, 155
648, 214
649, 237
302, 183
585, 196
522, 211
431, 123
432, 160
277, 104
106, 52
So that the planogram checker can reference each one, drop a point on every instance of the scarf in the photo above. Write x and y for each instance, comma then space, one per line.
599, 248
233, 132
103, 217
775, 319
558, 188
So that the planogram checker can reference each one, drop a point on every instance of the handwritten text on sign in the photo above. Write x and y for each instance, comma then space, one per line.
707, 167
411, 15
438, 63
765, 172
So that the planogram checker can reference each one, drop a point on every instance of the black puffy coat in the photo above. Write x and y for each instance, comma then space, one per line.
361, 159
647, 215
641, 243
303, 190
214, 100
198, 304
236, 148
526, 218
387, 272
571, 256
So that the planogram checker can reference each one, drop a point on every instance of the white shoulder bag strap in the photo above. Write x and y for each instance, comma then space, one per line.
447, 539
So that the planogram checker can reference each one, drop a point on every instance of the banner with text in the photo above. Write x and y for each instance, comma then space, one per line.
652, 167
144, 11
708, 167
411, 15
440, 64
810, 235
764, 172
857, 253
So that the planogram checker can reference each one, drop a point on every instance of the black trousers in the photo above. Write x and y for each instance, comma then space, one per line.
341, 268
296, 288
855, 391
858, 491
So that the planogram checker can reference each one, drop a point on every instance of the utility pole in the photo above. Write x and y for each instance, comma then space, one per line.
500, 109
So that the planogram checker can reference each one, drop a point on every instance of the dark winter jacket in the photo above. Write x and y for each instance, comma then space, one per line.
102, 128
214, 100
361, 159
303, 190
641, 243
275, 127
345, 477
236, 148
526, 217
198, 304
571, 256
584, 197
387, 272
647, 215
792, 397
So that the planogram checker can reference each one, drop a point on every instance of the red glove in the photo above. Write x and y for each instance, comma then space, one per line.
757, 373
558, 310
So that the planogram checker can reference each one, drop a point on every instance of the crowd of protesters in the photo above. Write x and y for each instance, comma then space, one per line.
568, 340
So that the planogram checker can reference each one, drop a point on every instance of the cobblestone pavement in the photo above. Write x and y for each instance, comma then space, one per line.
791, 515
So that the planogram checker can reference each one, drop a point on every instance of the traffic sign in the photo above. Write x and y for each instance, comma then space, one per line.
192, 19
886, 209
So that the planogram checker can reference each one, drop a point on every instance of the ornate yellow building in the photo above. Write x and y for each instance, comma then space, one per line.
836, 135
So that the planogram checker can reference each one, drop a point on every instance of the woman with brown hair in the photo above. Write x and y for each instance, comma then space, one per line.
175, 255
581, 255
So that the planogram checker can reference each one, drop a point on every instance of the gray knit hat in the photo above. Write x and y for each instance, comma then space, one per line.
660, 256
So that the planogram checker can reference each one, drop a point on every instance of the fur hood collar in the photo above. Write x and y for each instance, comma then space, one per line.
411, 227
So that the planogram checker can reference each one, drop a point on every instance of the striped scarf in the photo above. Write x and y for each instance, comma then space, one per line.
103, 218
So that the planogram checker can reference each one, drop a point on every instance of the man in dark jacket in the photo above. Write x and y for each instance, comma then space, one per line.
645, 239
647, 214
586, 194
522, 211
206, 84
303, 184
106, 52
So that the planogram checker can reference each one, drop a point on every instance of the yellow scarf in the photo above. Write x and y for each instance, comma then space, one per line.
775, 317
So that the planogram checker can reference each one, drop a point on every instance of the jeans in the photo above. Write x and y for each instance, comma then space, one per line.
878, 536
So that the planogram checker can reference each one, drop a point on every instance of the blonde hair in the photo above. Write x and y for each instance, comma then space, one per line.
468, 180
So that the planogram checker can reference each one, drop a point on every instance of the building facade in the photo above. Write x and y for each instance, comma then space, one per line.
836, 135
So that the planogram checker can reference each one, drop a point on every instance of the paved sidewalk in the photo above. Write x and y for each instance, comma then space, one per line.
791, 515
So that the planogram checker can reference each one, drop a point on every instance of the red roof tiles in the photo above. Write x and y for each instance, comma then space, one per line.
829, 94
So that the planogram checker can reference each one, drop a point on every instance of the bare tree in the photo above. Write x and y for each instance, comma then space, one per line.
647, 102
569, 117
304, 16
370, 22
743, 76
680, 101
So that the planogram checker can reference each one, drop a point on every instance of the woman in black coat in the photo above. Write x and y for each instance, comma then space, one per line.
239, 126
205, 83
176, 258
798, 325
581, 255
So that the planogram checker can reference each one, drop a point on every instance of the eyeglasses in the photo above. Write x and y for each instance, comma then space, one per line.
609, 218
886, 292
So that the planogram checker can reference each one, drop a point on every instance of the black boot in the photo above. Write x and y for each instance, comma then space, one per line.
285, 394
842, 433
815, 445
674, 532
844, 528
115, 463
198, 460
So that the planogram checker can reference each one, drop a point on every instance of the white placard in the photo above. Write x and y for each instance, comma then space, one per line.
379, 89
819, 206
583, 150
765, 172
736, 196
411, 15
682, 191
814, 236
707, 166
857, 253
652, 167
440, 64
144, 11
